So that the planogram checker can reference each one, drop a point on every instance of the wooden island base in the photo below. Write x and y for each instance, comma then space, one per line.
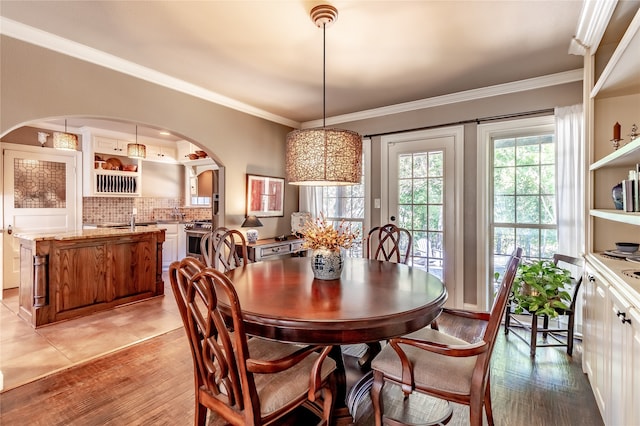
74, 274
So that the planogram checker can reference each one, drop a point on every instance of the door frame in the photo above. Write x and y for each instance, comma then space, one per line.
38, 149
455, 283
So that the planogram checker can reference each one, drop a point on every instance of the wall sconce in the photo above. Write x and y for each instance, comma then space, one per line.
42, 138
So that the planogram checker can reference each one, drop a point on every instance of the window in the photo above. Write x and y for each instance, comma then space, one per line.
343, 203
523, 211
346, 203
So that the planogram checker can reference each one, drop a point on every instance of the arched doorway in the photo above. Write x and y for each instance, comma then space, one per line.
164, 185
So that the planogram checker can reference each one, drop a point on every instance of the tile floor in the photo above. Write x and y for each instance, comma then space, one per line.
27, 353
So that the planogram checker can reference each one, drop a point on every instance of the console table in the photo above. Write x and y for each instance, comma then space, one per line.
269, 247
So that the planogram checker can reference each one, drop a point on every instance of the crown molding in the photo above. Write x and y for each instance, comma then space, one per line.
593, 21
465, 96
67, 47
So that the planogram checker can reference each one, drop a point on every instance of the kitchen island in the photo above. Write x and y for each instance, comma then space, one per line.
72, 274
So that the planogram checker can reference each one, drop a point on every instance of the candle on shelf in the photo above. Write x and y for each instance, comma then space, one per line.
616, 131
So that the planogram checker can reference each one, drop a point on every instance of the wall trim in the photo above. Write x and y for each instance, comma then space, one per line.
67, 47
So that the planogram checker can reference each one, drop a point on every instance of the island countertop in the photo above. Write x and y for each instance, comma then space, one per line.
86, 233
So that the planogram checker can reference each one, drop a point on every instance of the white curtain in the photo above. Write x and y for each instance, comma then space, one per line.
310, 200
570, 164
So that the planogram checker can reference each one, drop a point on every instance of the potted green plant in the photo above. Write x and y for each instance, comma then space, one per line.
540, 288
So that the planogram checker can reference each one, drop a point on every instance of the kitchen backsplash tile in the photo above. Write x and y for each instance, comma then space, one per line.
98, 210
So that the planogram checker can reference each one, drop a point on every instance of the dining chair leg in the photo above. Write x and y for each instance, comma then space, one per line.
487, 401
376, 397
201, 414
507, 318
570, 335
534, 334
475, 411
545, 326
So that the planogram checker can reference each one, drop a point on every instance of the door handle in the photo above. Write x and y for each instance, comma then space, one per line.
9, 230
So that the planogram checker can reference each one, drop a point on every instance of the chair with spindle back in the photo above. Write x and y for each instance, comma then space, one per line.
230, 251
244, 381
560, 335
387, 243
208, 244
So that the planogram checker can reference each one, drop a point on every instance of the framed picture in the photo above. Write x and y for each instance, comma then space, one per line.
265, 196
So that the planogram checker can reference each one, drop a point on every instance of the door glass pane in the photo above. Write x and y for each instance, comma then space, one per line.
420, 206
39, 184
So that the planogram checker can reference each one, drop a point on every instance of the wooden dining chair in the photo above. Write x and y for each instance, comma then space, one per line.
389, 243
386, 243
453, 367
230, 251
560, 335
208, 244
244, 381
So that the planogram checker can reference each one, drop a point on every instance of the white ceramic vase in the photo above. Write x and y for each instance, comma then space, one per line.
326, 264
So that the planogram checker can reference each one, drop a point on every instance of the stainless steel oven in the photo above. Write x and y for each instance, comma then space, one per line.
195, 231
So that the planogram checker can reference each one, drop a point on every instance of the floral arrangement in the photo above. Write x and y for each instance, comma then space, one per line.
320, 234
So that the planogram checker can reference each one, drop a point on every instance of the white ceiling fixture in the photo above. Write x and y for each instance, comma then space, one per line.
316, 157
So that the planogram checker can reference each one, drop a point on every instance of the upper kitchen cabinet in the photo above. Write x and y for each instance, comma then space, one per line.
162, 153
107, 171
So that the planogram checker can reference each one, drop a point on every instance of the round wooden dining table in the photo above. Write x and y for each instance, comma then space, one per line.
372, 301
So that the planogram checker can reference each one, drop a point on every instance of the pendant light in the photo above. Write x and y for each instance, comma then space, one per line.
136, 150
322, 156
65, 141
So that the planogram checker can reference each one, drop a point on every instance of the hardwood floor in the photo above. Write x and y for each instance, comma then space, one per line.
150, 383
27, 353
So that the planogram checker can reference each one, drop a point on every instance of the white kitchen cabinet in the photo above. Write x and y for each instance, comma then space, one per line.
594, 331
634, 316
108, 183
182, 241
102, 145
161, 154
611, 343
622, 386
170, 246
175, 243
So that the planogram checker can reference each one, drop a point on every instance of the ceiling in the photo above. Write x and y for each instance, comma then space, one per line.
267, 55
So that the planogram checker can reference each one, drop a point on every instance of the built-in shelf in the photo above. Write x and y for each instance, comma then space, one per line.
616, 216
622, 74
626, 156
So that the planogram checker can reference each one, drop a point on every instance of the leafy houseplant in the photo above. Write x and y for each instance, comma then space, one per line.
540, 288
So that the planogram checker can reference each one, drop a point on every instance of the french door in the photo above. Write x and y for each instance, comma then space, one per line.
424, 196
